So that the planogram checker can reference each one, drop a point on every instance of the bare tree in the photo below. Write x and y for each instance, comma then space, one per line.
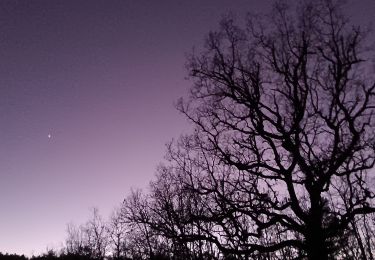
96, 233
117, 233
359, 244
280, 161
173, 206
75, 241
144, 240
284, 136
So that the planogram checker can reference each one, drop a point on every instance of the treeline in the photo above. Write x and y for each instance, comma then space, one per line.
49, 255
12, 257
161, 225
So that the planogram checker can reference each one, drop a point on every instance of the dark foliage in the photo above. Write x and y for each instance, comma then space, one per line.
12, 257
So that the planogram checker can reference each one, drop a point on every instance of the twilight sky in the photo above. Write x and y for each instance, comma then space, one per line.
86, 103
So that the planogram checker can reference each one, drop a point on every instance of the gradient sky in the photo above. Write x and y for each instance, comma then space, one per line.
101, 78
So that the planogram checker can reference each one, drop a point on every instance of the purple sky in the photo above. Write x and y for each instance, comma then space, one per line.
101, 78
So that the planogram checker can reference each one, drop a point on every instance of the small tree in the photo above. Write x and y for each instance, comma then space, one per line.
75, 243
144, 241
117, 231
96, 235
88, 241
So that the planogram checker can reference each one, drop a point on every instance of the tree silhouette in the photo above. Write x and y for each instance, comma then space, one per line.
89, 241
284, 136
117, 235
279, 164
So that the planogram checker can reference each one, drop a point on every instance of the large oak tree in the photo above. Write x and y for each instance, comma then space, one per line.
284, 139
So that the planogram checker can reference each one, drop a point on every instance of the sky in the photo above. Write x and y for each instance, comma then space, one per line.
87, 93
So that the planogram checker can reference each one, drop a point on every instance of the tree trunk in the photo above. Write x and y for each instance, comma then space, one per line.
316, 245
